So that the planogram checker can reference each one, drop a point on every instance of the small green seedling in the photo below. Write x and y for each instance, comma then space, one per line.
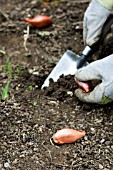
44, 33
5, 91
30, 87
18, 70
8, 67
34, 103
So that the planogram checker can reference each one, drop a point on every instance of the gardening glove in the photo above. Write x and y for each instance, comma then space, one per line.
97, 70
95, 17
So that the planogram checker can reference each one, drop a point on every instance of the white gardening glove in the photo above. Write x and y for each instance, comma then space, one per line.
94, 19
97, 70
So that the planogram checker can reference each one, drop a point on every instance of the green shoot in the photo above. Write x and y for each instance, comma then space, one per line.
30, 87
14, 125
33, 103
18, 70
44, 33
5, 91
8, 67
50, 61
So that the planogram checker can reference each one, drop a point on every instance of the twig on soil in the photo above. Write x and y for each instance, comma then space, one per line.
51, 141
26, 36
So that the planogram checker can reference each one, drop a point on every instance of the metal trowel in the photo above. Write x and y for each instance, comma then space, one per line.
68, 65
70, 62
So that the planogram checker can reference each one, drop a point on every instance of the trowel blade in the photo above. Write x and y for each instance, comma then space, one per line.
67, 65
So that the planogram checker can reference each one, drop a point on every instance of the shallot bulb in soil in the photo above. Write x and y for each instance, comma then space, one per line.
39, 21
67, 135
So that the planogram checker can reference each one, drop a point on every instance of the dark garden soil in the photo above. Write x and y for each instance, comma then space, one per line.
30, 116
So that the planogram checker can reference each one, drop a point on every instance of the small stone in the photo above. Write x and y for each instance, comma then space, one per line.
33, 2
36, 125
98, 120
30, 143
22, 156
19, 121
53, 102
102, 141
85, 138
6, 165
35, 149
77, 27
111, 146
100, 166
70, 93
35, 73
92, 129
15, 161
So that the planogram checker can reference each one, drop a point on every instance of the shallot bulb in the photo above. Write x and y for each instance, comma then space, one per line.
84, 85
39, 21
67, 135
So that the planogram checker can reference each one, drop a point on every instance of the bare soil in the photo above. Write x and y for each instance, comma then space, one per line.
30, 116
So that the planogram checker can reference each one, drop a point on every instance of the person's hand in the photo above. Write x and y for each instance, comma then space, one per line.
95, 17
97, 70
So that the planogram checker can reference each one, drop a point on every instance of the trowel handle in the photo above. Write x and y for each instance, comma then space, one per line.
82, 59
86, 53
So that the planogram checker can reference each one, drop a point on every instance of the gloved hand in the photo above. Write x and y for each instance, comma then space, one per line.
97, 70
94, 19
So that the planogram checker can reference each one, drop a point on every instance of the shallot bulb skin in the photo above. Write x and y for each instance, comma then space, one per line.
67, 135
84, 85
39, 21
